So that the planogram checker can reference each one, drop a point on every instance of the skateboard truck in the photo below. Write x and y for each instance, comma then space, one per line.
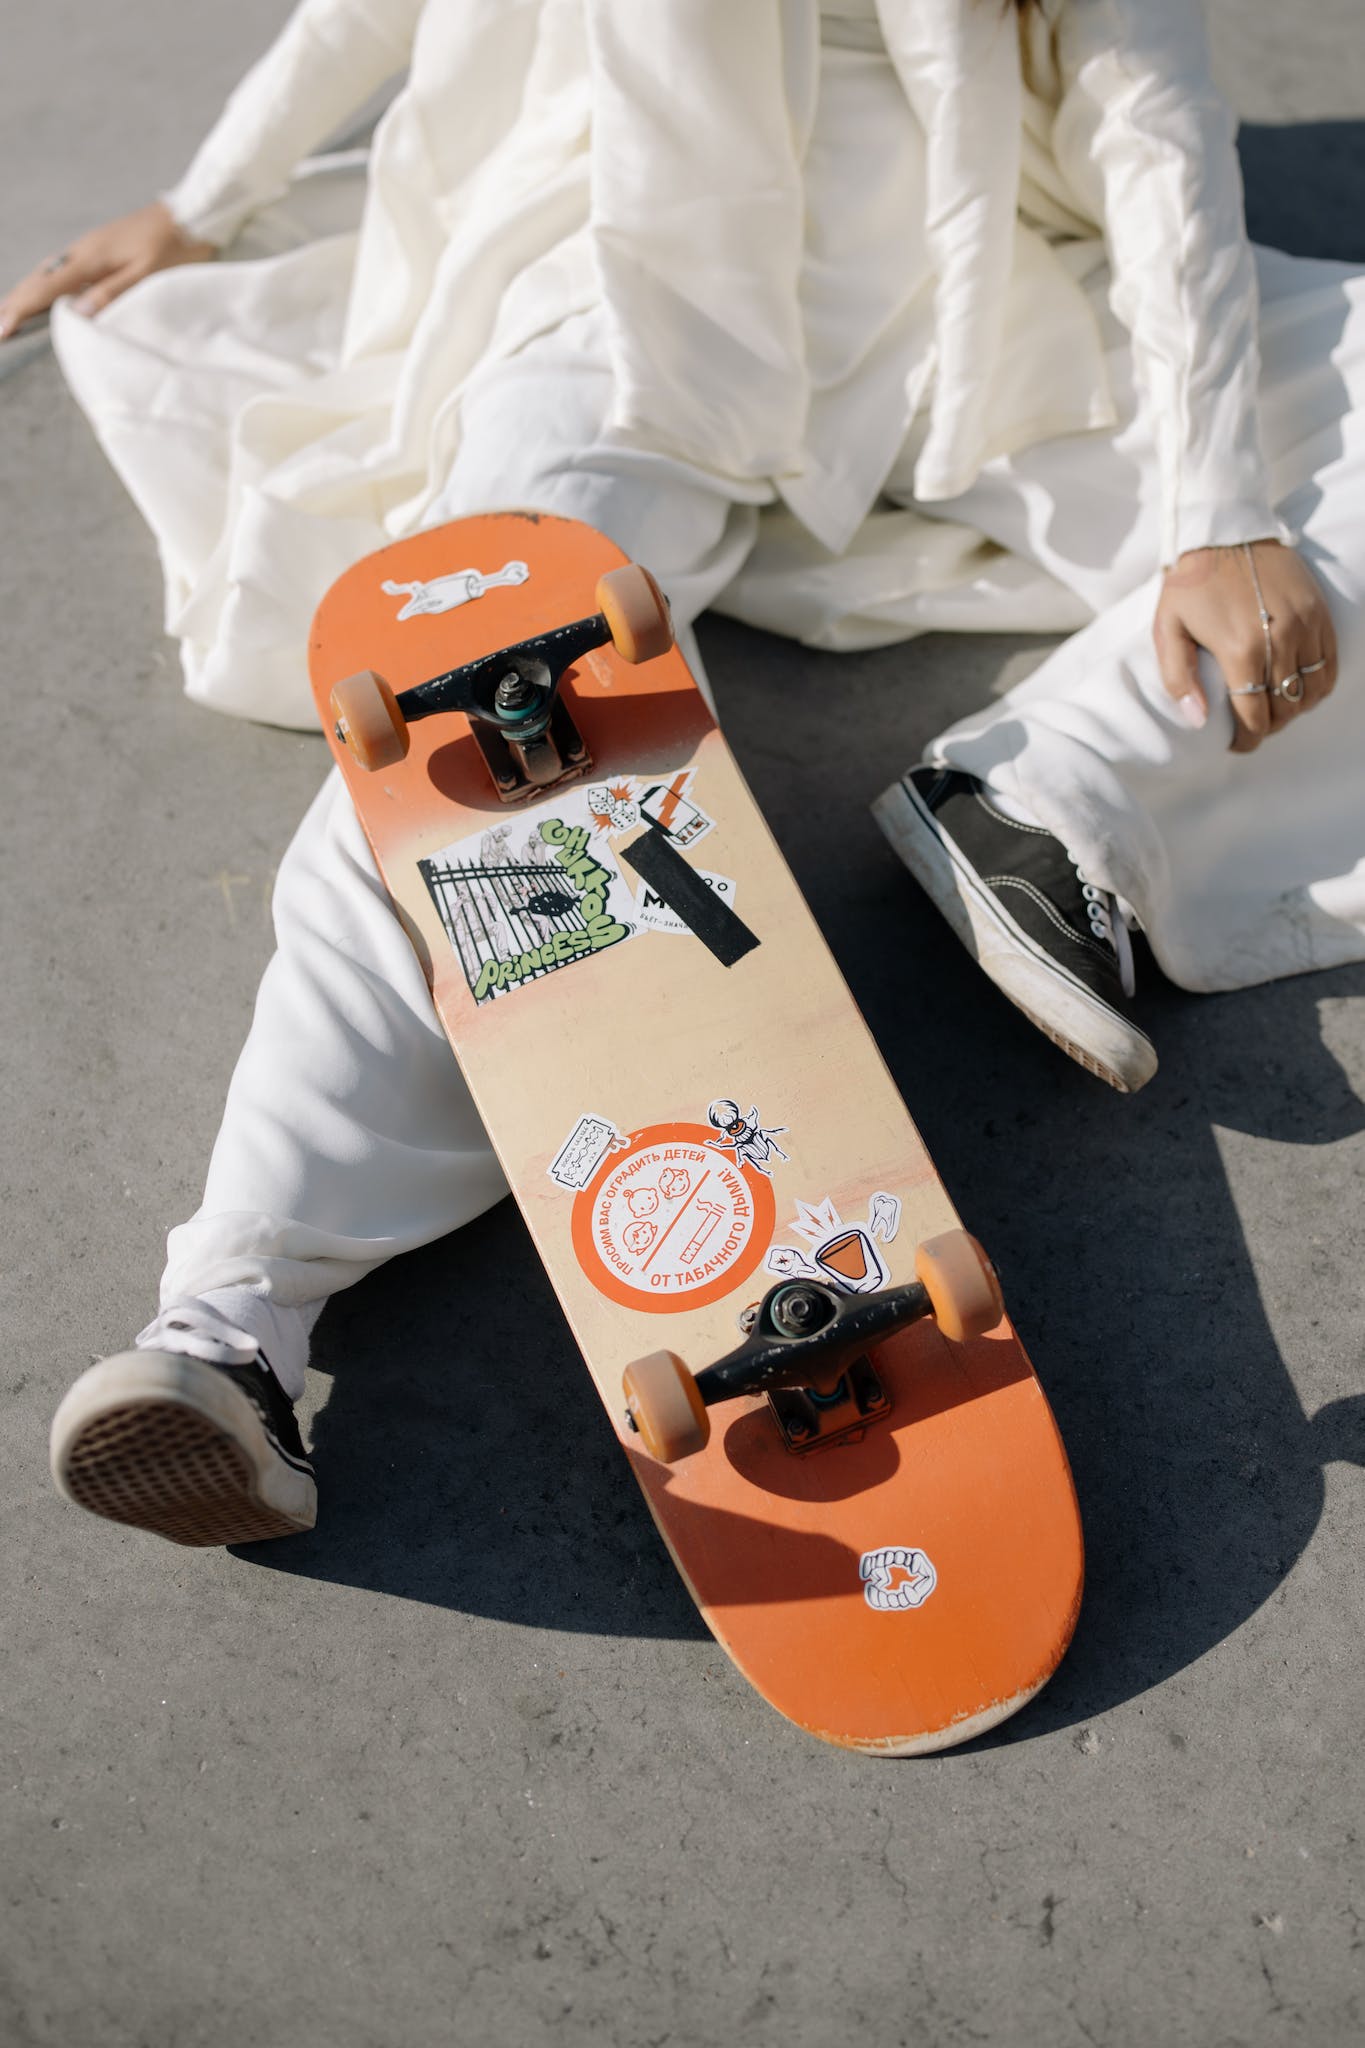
806, 1349
524, 730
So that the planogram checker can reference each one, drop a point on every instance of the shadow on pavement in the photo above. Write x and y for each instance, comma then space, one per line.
464, 1456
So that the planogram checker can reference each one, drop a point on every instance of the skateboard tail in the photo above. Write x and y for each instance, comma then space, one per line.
899, 1648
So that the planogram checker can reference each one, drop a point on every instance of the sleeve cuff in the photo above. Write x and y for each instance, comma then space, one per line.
1221, 523
216, 217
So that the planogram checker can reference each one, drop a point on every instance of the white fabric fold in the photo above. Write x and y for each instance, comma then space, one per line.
801, 247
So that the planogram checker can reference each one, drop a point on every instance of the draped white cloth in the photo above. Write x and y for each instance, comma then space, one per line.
825, 252
803, 240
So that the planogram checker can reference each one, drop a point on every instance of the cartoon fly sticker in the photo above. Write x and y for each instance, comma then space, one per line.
843, 1255
445, 593
744, 1136
528, 897
896, 1578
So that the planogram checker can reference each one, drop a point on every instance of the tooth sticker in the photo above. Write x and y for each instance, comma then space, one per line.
583, 1151
843, 1255
896, 1578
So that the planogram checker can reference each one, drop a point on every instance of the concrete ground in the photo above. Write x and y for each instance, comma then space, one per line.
463, 1767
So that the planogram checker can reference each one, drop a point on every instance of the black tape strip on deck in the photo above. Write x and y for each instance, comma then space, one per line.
658, 863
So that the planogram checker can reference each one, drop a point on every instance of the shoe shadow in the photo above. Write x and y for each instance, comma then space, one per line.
464, 1457
1121, 1250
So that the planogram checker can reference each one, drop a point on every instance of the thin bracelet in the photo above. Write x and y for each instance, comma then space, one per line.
1268, 671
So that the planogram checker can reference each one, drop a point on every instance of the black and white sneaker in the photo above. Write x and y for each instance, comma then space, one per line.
1051, 941
196, 1452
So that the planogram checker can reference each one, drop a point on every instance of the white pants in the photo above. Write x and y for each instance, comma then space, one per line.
348, 1134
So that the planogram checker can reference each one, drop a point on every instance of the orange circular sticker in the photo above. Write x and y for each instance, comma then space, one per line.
672, 1222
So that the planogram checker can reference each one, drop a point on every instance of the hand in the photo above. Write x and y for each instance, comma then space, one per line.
102, 264
1209, 600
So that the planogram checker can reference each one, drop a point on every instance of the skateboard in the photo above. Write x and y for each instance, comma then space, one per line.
803, 1354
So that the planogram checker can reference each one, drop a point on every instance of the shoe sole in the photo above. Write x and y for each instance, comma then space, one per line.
167, 1444
1053, 999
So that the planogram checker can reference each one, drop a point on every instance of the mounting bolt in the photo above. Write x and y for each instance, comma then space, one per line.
514, 695
800, 1311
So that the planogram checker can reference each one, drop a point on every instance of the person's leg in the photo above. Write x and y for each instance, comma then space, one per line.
348, 1134
1240, 868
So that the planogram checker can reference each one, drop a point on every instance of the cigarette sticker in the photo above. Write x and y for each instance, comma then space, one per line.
669, 806
668, 1223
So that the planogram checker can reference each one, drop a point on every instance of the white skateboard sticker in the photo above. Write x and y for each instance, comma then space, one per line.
461, 586
669, 1223
668, 805
541, 889
534, 893
583, 1151
843, 1255
655, 914
896, 1578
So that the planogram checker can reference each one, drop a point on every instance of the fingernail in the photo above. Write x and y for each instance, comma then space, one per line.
1192, 709
5, 330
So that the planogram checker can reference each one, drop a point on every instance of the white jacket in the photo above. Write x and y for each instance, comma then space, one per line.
655, 154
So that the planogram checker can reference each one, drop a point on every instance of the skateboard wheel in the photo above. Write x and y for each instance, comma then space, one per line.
665, 1404
366, 714
636, 612
960, 1281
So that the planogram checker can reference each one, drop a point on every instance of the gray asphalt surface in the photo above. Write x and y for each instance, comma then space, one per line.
463, 1766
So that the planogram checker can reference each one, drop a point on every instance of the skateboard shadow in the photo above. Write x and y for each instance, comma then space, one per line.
464, 1457
1120, 1243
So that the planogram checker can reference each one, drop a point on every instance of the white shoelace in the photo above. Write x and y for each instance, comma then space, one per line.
1111, 919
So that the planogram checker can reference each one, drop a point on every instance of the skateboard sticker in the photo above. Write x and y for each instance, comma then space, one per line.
613, 807
583, 1151
843, 1255
670, 1224
896, 1578
529, 896
655, 914
669, 806
445, 593
744, 1136
542, 890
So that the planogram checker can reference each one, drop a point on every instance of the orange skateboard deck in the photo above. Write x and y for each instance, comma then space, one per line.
691, 1112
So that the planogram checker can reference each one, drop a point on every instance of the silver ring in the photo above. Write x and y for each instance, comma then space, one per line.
1310, 668
55, 263
1290, 687
1249, 690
